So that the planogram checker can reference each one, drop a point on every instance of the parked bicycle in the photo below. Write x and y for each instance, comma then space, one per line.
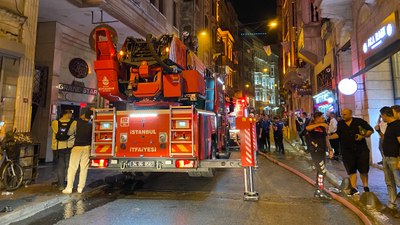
11, 172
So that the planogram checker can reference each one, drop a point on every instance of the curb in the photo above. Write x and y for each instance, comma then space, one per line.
30, 209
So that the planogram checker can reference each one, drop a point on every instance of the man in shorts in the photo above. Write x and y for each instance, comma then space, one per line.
352, 133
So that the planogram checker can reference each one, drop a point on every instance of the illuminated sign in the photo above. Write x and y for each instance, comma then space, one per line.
387, 33
378, 38
324, 97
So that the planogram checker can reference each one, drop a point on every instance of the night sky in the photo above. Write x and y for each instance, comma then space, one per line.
257, 12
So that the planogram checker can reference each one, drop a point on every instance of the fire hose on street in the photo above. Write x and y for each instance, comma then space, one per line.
336, 197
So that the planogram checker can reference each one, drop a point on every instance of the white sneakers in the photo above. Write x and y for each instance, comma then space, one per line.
69, 190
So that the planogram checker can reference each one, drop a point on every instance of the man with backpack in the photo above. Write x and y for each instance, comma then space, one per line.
62, 142
80, 153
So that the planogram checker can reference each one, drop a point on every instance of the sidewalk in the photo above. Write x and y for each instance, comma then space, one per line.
33, 198
299, 160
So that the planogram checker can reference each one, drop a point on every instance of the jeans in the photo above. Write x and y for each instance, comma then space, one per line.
392, 178
79, 157
62, 156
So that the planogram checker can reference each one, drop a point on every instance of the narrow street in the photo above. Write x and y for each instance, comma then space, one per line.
179, 199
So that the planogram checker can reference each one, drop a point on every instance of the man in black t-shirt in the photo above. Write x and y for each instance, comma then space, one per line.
352, 133
80, 153
391, 157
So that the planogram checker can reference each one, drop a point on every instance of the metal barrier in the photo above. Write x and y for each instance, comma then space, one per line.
248, 146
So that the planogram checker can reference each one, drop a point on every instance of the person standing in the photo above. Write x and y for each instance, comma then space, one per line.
391, 157
380, 127
62, 142
278, 126
80, 153
331, 130
300, 128
259, 122
266, 126
319, 144
352, 133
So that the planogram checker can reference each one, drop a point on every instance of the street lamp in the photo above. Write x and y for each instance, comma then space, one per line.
203, 33
273, 24
265, 70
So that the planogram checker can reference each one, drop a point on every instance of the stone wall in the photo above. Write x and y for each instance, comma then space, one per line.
57, 44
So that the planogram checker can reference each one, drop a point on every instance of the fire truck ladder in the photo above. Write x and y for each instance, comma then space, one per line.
103, 133
181, 135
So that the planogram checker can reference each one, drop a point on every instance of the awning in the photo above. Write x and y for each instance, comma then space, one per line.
378, 58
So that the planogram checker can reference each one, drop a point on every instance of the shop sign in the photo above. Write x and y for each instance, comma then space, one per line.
387, 33
77, 89
325, 97
304, 91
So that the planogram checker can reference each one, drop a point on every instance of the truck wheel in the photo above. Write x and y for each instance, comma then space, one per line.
209, 173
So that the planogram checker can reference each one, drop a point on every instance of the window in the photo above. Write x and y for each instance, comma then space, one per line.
264, 96
258, 98
395, 61
9, 69
264, 82
175, 16
256, 80
161, 6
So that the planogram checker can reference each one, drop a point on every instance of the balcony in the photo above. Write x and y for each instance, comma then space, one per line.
225, 61
336, 9
140, 15
309, 43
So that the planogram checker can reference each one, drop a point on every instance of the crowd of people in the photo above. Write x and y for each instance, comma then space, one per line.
71, 147
346, 138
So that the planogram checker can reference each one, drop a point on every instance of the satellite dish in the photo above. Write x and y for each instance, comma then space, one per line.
114, 34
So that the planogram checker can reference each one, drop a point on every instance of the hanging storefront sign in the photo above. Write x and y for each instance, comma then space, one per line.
325, 101
386, 33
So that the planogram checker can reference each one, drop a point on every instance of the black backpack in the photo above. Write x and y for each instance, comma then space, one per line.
63, 128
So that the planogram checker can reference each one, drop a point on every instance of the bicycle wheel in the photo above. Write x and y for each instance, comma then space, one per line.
12, 176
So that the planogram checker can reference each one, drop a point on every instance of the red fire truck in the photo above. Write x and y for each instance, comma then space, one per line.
168, 112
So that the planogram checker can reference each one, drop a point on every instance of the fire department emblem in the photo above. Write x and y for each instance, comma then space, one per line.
105, 81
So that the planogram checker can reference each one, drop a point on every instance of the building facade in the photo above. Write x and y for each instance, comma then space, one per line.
47, 61
17, 63
266, 72
337, 40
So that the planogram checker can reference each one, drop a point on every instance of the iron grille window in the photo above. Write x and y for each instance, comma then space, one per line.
324, 80
40, 85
